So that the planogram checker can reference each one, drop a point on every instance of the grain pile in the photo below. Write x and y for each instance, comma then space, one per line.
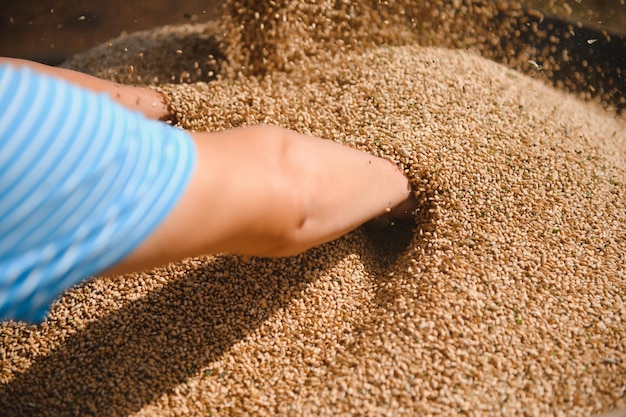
506, 296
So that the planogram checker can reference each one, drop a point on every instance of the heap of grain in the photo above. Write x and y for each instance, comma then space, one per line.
505, 296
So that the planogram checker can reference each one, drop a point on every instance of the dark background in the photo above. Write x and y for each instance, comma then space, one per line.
50, 30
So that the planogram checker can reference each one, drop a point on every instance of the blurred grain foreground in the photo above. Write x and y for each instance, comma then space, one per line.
506, 296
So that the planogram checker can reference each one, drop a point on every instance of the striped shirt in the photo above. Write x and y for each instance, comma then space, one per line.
83, 181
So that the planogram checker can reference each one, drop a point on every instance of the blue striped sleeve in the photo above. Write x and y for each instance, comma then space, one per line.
83, 181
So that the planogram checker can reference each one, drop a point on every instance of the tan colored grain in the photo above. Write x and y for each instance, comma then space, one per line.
506, 296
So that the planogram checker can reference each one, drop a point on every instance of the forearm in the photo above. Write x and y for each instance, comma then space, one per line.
270, 192
149, 102
283, 192
342, 188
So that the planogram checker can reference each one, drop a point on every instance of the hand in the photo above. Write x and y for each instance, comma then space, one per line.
404, 210
151, 103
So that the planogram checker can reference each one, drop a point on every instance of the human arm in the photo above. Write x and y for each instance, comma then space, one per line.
268, 191
151, 103
115, 189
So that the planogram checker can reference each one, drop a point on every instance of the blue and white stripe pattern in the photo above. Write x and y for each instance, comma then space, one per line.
83, 181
